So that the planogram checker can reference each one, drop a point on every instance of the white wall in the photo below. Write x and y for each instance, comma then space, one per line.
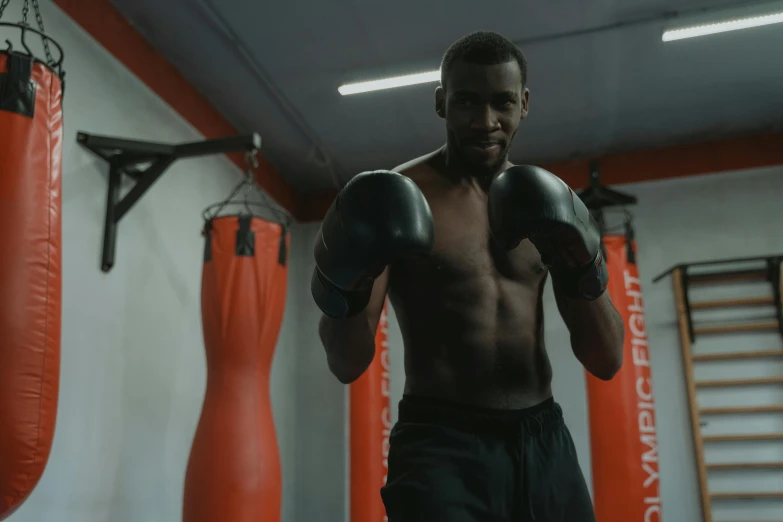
710, 217
133, 370
706, 217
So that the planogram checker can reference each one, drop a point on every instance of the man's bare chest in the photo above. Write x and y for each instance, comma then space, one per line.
464, 248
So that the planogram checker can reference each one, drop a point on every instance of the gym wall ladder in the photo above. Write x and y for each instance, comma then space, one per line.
685, 276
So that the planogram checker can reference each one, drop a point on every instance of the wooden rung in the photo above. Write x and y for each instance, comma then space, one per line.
741, 327
726, 277
745, 465
741, 438
740, 382
776, 408
736, 355
728, 303
765, 494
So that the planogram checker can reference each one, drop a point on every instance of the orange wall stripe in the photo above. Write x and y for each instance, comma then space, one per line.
748, 152
764, 150
110, 29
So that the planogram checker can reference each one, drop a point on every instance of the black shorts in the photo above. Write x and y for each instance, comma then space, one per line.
455, 463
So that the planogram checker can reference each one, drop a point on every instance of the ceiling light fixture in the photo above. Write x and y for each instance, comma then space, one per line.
722, 27
390, 83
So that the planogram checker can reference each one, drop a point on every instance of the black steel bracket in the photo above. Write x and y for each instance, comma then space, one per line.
712, 262
687, 298
128, 158
774, 278
598, 197
772, 273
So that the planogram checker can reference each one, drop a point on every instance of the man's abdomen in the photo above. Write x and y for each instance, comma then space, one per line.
477, 342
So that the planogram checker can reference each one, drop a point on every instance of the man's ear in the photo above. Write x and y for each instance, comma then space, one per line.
440, 102
525, 103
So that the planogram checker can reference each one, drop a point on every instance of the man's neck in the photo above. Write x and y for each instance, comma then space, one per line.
453, 169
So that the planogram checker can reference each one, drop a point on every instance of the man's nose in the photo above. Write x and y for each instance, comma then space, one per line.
485, 118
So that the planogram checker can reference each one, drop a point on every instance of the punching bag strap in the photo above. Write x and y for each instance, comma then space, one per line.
17, 90
629, 237
282, 255
246, 238
207, 241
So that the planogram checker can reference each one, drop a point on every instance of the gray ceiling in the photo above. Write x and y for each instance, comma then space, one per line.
274, 68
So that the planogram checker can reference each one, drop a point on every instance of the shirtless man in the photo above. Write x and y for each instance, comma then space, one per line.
462, 242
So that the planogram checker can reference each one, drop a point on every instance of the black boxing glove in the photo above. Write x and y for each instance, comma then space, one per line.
527, 202
378, 217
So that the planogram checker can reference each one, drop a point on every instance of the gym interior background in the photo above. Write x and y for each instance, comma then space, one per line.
694, 127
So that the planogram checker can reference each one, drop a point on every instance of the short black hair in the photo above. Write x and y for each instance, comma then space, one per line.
483, 48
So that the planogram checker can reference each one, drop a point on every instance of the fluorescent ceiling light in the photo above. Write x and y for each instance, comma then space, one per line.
390, 83
722, 27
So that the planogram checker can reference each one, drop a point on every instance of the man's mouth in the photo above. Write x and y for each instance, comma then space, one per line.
487, 146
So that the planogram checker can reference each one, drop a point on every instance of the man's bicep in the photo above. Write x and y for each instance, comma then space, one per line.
377, 299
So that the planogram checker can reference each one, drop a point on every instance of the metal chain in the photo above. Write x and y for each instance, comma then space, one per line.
3, 6
39, 20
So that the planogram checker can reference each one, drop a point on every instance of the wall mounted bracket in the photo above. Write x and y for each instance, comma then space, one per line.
597, 198
770, 271
144, 162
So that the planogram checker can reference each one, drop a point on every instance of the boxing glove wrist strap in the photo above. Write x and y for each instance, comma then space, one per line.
587, 283
337, 303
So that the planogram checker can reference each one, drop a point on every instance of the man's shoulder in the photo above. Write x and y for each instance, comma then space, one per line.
418, 168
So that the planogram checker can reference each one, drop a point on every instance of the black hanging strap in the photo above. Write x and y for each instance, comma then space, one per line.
629, 237
773, 266
246, 238
17, 90
282, 256
208, 241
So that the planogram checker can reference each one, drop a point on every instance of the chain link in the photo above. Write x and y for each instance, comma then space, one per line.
25, 11
39, 20
3, 6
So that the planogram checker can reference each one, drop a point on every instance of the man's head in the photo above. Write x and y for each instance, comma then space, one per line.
482, 98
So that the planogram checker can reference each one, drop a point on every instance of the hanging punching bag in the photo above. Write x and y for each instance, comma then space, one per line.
370, 413
30, 271
233, 473
623, 441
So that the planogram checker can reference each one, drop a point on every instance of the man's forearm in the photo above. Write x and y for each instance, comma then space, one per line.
349, 345
597, 334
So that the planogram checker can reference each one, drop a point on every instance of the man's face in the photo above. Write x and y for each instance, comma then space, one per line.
483, 106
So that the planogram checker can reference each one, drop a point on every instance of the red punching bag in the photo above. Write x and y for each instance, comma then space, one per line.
370, 413
30, 271
623, 440
234, 472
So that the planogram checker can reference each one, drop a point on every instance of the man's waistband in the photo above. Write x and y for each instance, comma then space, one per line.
545, 415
